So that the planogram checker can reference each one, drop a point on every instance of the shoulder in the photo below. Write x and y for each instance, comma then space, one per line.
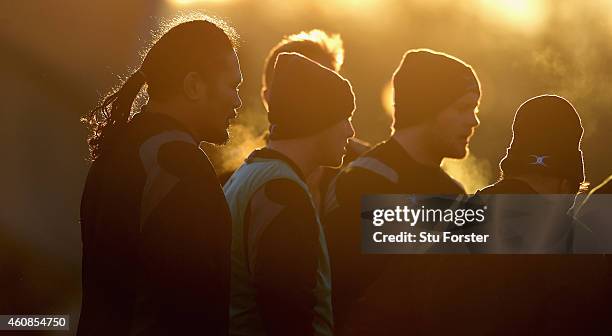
174, 152
455, 187
284, 192
366, 174
279, 204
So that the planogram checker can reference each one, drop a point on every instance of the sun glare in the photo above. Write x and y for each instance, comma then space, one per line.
527, 15
196, 2
386, 97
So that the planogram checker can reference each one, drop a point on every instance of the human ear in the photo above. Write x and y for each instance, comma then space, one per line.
193, 86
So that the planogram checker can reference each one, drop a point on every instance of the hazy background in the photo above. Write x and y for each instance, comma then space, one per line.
58, 57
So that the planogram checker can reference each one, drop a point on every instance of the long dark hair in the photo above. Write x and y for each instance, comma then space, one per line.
196, 45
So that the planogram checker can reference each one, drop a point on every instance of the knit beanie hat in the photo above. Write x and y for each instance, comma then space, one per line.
306, 97
427, 82
546, 135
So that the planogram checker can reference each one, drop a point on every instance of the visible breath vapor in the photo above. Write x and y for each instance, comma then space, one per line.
472, 172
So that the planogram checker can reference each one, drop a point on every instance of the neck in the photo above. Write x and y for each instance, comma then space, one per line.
415, 142
297, 152
172, 110
542, 184
553, 189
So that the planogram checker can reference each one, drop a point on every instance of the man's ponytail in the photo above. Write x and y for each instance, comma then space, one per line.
113, 113
197, 45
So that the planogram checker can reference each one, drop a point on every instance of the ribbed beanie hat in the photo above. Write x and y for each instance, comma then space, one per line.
426, 82
546, 135
306, 97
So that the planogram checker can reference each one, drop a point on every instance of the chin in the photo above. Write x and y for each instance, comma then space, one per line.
458, 153
220, 139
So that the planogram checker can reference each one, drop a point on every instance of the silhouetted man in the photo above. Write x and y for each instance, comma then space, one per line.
436, 98
535, 294
327, 50
542, 159
594, 232
156, 228
281, 282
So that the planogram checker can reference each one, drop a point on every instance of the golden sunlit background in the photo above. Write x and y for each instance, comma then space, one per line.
58, 58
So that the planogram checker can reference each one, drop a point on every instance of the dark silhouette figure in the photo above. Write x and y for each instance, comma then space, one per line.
545, 294
281, 281
593, 230
327, 50
156, 228
436, 98
543, 158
